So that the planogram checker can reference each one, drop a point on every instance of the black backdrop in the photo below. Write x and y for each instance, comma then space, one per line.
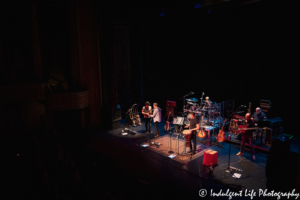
236, 54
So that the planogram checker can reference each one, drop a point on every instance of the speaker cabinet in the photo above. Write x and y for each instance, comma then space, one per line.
173, 111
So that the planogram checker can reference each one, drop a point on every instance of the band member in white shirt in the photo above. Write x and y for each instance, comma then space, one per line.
156, 118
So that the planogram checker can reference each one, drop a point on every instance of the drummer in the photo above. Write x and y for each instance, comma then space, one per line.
207, 102
194, 125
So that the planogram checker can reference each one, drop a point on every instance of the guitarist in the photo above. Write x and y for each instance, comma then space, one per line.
248, 134
145, 111
194, 125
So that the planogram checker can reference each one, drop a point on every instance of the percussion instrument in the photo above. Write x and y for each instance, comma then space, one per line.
193, 108
192, 100
187, 136
186, 132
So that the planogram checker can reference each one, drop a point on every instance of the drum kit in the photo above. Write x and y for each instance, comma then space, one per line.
207, 115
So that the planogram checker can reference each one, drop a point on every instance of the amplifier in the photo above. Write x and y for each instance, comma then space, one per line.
171, 109
171, 103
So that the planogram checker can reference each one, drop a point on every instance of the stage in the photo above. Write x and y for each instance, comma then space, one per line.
158, 169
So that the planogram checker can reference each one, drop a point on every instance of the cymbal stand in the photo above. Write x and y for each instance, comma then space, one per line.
184, 99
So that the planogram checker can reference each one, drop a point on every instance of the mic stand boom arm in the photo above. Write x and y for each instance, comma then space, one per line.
184, 98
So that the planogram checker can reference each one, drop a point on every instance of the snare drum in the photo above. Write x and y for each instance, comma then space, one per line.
187, 136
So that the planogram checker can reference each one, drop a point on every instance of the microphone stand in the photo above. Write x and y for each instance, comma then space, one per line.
150, 143
184, 98
170, 141
229, 168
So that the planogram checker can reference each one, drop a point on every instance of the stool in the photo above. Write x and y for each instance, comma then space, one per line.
210, 157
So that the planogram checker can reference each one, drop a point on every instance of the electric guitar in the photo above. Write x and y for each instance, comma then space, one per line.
242, 128
221, 135
167, 126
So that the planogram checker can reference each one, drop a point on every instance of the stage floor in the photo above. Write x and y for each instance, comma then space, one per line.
154, 165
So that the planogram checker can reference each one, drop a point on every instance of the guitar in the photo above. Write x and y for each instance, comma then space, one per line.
242, 128
145, 112
201, 133
221, 135
167, 126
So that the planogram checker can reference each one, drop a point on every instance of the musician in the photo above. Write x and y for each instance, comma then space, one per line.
145, 111
248, 135
156, 118
258, 115
194, 125
207, 102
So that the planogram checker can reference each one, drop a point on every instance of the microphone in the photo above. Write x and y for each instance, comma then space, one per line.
243, 106
192, 92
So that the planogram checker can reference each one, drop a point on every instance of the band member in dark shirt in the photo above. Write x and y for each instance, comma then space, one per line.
145, 111
194, 125
248, 134
258, 115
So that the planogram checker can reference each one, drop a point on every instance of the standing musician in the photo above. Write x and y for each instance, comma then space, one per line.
194, 125
145, 111
156, 118
248, 134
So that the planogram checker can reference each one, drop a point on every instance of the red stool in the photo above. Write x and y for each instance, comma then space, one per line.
210, 157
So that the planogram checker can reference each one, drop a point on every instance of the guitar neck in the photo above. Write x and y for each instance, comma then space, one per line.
244, 129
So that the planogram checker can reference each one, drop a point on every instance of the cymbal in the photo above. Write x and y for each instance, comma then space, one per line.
190, 103
192, 99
